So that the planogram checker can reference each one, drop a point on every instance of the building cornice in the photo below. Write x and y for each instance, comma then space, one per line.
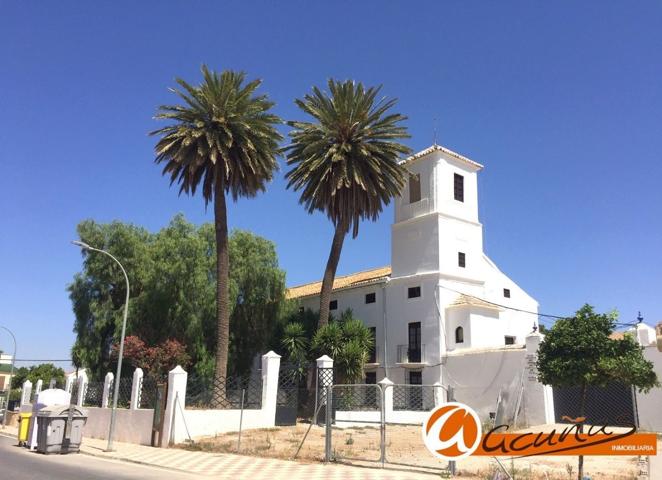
439, 148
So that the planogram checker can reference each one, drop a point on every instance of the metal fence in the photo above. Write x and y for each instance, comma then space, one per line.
362, 425
124, 393
93, 394
613, 405
148, 391
224, 393
417, 398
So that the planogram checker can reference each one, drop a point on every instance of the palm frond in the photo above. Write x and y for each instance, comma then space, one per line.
222, 131
345, 161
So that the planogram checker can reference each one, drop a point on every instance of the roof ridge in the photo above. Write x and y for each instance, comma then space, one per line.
337, 277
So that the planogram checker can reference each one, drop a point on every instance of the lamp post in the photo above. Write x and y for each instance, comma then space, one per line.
113, 411
11, 376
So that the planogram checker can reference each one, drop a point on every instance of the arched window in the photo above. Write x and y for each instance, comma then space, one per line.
459, 335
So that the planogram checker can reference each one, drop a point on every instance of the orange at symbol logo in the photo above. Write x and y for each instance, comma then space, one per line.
452, 431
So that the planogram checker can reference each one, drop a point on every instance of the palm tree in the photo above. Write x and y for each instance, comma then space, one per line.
345, 162
224, 140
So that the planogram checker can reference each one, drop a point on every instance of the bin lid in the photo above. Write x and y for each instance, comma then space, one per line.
61, 411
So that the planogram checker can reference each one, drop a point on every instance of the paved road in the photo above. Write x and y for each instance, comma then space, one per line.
17, 463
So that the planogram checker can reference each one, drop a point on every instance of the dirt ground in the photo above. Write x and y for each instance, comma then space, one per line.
404, 449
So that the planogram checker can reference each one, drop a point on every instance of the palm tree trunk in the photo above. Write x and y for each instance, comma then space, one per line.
222, 292
330, 273
582, 408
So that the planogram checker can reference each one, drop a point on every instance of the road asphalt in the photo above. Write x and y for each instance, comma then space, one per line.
17, 463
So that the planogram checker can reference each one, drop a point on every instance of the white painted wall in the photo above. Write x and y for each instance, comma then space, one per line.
425, 240
202, 423
132, 426
650, 416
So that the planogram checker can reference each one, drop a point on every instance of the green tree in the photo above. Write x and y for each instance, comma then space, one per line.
345, 162
98, 292
173, 287
346, 340
224, 140
43, 371
257, 290
579, 351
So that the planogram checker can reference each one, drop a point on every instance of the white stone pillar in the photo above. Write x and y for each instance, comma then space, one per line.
107, 386
173, 424
439, 394
70, 379
26, 392
539, 399
136, 389
387, 397
82, 386
270, 370
38, 387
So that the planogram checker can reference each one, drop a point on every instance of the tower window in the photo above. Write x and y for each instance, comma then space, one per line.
506, 292
458, 187
333, 305
370, 297
510, 340
461, 259
413, 292
414, 187
459, 335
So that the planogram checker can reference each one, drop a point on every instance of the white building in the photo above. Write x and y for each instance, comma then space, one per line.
442, 295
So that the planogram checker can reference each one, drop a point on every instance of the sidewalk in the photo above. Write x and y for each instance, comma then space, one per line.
229, 466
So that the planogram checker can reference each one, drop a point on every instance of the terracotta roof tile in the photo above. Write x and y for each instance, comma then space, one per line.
463, 300
346, 281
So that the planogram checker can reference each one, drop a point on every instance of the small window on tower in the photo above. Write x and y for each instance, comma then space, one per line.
506, 292
414, 187
459, 335
458, 187
413, 292
461, 259
333, 305
510, 340
370, 297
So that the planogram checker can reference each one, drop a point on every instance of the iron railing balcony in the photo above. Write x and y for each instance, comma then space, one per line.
409, 355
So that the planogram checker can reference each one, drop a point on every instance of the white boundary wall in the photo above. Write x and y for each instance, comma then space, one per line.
180, 423
131, 426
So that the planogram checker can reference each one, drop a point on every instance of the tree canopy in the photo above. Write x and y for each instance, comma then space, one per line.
43, 371
580, 351
172, 276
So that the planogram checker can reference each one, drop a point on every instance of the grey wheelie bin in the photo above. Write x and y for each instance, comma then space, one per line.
51, 429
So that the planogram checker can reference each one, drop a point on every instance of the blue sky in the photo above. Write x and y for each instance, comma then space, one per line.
560, 101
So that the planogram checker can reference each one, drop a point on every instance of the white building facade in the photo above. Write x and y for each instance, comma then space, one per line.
441, 296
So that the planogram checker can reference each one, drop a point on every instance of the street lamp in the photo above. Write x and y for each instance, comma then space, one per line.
11, 376
113, 412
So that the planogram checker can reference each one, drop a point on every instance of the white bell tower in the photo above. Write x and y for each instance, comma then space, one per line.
436, 227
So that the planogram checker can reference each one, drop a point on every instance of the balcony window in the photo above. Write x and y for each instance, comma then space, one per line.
370, 297
461, 259
372, 355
